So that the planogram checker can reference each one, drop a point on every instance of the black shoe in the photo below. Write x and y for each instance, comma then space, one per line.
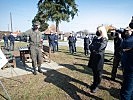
112, 79
35, 73
94, 90
39, 70
91, 87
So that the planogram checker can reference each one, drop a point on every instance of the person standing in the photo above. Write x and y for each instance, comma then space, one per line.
117, 55
56, 42
51, 39
5, 38
126, 92
96, 62
75, 40
86, 44
12, 40
71, 43
35, 46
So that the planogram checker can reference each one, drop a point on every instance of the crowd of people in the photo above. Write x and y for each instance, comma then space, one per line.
123, 53
53, 41
10, 38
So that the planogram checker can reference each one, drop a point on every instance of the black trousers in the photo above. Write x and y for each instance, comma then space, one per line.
97, 77
116, 62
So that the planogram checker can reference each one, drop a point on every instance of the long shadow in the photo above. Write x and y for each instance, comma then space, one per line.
21, 65
109, 54
108, 61
112, 91
64, 82
85, 69
3, 97
108, 78
86, 59
109, 74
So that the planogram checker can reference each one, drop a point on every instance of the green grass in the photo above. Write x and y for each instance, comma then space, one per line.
67, 83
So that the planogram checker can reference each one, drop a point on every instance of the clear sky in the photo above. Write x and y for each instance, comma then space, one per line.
91, 14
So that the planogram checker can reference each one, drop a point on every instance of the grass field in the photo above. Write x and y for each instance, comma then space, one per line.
68, 83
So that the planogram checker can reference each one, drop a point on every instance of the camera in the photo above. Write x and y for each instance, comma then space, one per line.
116, 33
131, 23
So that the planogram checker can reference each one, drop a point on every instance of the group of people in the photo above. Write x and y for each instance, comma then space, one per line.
72, 43
11, 38
123, 52
53, 41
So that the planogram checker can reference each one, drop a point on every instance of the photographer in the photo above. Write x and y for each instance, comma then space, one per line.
117, 53
126, 92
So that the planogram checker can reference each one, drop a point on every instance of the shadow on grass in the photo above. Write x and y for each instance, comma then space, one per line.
4, 97
108, 78
85, 69
112, 91
64, 82
21, 65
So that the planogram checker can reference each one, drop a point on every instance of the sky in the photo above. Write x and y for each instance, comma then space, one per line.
91, 14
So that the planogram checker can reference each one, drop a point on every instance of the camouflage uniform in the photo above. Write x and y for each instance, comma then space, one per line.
35, 45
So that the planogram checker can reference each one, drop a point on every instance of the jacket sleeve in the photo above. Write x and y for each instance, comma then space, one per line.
103, 45
98, 46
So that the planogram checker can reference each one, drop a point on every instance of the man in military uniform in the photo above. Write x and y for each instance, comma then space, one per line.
71, 42
86, 44
51, 39
12, 40
35, 45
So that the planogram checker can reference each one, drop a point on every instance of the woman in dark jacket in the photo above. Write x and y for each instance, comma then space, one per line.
97, 49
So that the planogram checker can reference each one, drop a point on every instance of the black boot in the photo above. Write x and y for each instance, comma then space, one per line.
34, 72
39, 70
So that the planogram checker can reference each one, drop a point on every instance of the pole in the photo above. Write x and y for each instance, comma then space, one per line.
8, 27
11, 21
5, 90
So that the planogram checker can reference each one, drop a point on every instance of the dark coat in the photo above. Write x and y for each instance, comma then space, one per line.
56, 39
71, 40
86, 43
127, 56
51, 39
11, 38
117, 47
97, 48
5, 38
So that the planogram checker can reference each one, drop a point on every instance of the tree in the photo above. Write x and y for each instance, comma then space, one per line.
43, 24
57, 10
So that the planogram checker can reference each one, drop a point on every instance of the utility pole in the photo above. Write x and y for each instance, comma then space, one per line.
11, 21
8, 27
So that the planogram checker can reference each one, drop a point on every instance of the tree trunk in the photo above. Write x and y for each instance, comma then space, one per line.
57, 26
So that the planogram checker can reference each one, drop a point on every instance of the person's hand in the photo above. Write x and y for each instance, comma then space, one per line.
42, 50
126, 50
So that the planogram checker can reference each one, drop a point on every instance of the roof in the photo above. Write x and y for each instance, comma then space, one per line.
53, 28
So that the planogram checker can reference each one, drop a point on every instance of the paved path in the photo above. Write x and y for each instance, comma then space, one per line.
21, 70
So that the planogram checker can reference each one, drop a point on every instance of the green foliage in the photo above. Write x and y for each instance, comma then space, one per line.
43, 24
56, 10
